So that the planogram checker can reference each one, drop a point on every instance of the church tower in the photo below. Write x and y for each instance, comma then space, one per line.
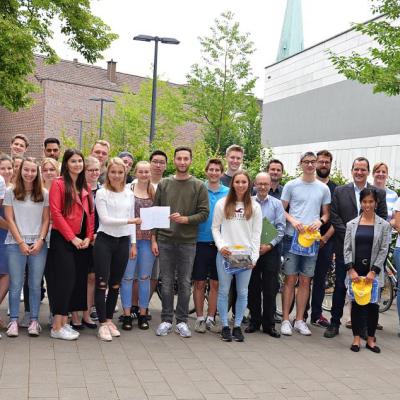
292, 40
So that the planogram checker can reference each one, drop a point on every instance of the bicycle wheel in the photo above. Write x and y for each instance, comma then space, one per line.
387, 293
279, 303
278, 300
329, 289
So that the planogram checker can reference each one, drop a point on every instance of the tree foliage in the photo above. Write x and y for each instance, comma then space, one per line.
129, 126
219, 88
381, 66
26, 28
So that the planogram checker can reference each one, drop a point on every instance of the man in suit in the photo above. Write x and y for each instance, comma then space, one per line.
345, 207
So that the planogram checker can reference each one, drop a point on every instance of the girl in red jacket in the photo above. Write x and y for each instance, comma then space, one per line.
72, 212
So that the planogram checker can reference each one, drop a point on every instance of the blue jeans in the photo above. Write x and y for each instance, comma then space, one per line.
242, 285
144, 262
16, 264
396, 255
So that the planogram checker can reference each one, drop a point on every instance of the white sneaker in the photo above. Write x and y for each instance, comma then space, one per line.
302, 328
104, 333
69, 328
113, 330
286, 328
63, 334
24, 323
183, 330
164, 328
213, 326
34, 328
200, 326
12, 329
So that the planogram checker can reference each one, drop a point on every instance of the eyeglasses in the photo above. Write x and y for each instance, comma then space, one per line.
308, 162
323, 162
158, 162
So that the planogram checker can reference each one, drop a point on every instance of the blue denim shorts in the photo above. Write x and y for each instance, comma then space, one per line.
294, 264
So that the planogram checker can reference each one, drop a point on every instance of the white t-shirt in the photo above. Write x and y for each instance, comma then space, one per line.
114, 210
27, 216
2, 188
238, 230
305, 200
396, 208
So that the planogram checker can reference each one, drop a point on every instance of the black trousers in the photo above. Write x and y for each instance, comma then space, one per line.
264, 282
110, 256
68, 276
358, 314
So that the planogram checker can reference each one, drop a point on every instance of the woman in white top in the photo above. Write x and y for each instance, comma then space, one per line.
237, 222
115, 206
28, 216
380, 173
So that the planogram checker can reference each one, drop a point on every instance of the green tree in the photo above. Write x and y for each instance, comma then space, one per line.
128, 128
381, 66
25, 28
219, 87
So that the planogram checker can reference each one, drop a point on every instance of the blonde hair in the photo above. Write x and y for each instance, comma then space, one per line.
150, 188
52, 161
378, 165
119, 162
90, 160
102, 143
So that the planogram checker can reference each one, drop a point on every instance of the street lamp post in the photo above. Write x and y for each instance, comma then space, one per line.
102, 101
155, 39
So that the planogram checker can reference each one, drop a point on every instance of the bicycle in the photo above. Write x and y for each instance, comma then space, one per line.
390, 286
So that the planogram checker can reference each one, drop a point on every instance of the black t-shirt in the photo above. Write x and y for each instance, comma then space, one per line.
324, 228
226, 180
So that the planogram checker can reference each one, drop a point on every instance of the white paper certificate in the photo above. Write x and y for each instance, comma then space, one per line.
155, 217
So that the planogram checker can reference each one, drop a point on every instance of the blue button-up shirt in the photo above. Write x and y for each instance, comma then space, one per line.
272, 209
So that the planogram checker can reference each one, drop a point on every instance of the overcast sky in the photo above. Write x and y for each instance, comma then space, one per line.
187, 20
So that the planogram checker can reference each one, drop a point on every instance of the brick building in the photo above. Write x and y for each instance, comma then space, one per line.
63, 101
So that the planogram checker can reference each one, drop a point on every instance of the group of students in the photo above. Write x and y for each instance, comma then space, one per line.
82, 231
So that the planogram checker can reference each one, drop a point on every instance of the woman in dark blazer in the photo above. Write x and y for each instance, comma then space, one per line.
365, 249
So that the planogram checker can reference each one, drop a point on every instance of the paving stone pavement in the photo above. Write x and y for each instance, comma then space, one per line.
139, 365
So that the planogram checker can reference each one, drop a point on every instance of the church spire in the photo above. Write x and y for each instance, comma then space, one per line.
292, 40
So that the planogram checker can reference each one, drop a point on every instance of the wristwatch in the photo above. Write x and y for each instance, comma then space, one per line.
42, 238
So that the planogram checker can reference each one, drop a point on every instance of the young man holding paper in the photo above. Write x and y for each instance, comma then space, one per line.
176, 246
264, 277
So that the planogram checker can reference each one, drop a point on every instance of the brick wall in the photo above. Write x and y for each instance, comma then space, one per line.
29, 122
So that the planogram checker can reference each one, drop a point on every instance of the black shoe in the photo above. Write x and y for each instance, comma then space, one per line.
226, 335
374, 349
245, 320
272, 332
331, 331
148, 315
379, 327
143, 322
93, 314
252, 328
237, 334
135, 312
77, 327
355, 348
89, 324
127, 322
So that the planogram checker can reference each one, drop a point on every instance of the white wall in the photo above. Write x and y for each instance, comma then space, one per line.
311, 68
376, 149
